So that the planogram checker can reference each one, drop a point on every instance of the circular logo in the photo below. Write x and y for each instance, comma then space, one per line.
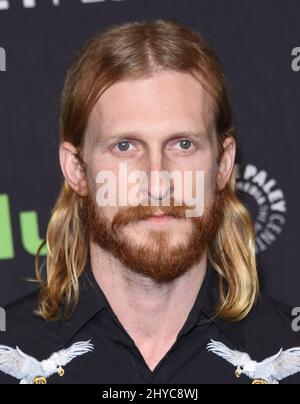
266, 202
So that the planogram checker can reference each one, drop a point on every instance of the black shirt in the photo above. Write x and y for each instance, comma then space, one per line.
117, 360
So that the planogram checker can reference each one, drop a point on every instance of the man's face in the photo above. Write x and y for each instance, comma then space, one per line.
161, 123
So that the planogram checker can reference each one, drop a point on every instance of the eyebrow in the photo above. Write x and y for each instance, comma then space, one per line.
140, 136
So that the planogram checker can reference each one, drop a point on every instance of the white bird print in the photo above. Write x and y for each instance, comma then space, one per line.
270, 371
28, 370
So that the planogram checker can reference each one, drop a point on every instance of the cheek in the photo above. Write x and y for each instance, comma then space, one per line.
99, 165
109, 213
211, 175
209, 172
210, 181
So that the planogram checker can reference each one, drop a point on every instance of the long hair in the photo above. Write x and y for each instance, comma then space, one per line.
137, 50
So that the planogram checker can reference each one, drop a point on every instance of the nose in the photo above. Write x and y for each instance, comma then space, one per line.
158, 175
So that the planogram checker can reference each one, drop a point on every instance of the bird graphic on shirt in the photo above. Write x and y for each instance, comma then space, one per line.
270, 371
29, 370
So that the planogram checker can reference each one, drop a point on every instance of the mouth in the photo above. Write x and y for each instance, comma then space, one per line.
160, 219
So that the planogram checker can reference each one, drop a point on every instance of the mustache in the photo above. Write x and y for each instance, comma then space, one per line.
134, 214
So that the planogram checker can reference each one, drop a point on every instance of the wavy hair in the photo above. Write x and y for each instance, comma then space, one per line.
138, 50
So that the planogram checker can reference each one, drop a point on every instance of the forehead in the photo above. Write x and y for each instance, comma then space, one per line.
165, 102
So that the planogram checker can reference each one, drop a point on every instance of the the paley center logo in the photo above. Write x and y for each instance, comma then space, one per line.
269, 208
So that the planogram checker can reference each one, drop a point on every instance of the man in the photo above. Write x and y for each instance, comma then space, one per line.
136, 292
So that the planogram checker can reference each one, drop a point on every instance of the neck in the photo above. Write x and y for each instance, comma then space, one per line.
152, 314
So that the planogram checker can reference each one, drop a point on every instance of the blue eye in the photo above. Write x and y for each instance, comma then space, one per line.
123, 146
185, 144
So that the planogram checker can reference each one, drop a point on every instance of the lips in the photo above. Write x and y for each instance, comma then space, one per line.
161, 218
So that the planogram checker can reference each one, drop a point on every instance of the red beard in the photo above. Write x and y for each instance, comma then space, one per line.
160, 261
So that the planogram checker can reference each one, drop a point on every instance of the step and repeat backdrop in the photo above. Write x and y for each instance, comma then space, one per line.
258, 43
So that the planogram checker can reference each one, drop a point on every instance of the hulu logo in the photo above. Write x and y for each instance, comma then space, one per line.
29, 231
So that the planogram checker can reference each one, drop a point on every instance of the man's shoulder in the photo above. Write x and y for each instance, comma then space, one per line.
269, 320
266, 329
24, 306
271, 316
24, 327
22, 312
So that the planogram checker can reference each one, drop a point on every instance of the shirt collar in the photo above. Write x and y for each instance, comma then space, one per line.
205, 303
92, 300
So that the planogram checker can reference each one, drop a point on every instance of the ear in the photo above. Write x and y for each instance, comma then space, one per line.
226, 164
72, 168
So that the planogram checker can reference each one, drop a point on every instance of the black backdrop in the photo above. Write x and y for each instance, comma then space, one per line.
257, 42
